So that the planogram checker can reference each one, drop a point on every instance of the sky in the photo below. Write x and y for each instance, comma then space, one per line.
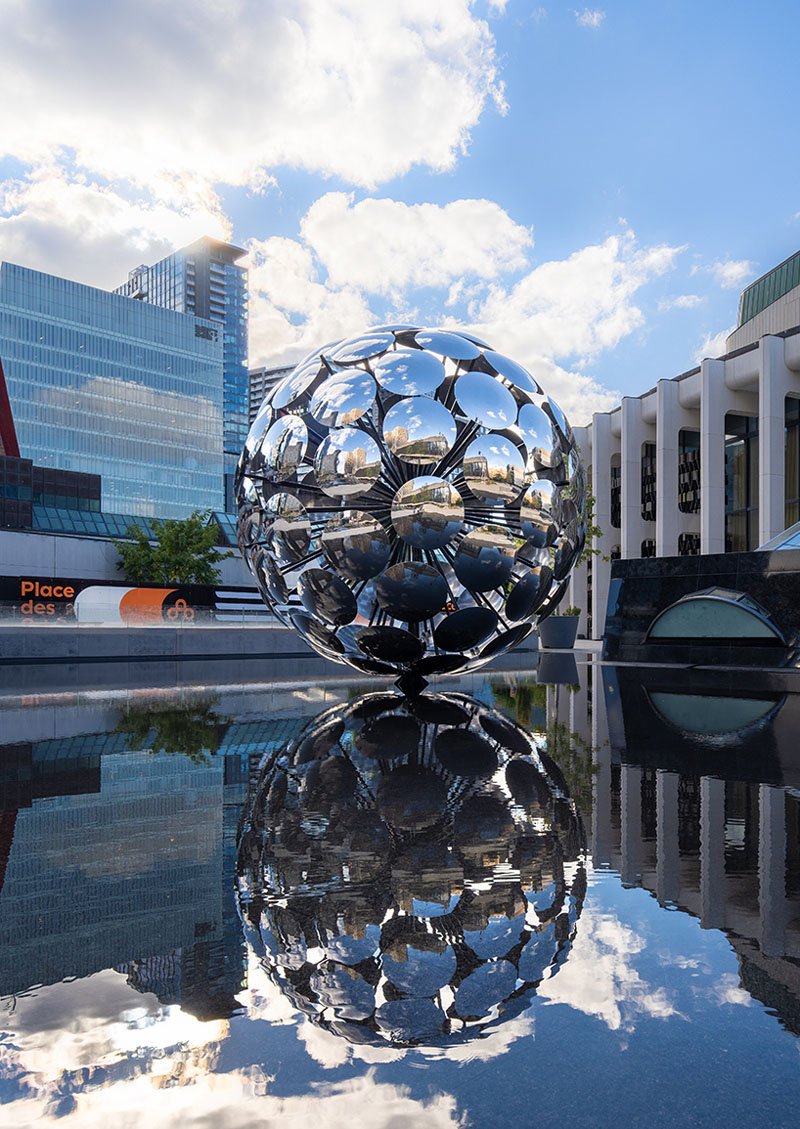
587, 189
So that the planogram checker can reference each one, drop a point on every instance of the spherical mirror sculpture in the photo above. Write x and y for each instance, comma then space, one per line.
410, 870
410, 483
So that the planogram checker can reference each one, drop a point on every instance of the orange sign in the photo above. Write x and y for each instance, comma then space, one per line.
140, 606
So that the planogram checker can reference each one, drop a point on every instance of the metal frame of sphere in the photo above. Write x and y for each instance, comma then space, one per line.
411, 501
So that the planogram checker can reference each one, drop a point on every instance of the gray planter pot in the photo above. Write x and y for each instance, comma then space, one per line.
559, 631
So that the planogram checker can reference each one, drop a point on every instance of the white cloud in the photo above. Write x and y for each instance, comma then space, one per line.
713, 345
728, 273
573, 308
92, 233
590, 17
291, 310
580, 305
350, 258
221, 92
385, 246
680, 302
732, 272
728, 990
179, 1097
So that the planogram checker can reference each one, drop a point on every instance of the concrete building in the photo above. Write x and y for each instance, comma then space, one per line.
205, 280
261, 381
706, 462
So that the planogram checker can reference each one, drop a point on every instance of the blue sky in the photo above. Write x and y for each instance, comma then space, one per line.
588, 188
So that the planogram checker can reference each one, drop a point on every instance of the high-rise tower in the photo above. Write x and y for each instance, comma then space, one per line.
204, 279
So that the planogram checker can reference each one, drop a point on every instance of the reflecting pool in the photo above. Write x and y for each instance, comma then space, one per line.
571, 900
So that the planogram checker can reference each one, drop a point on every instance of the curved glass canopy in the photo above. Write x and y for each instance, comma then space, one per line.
718, 614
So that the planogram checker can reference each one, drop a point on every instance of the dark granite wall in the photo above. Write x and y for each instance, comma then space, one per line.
640, 589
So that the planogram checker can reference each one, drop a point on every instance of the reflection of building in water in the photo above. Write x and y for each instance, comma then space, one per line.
67, 910
118, 858
726, 851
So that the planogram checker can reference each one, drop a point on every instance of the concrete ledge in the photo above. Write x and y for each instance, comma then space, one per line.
43, 645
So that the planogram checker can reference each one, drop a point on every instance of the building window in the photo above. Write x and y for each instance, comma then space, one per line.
741, 483
689, 545
689, 471
616, 492
649, 547
649, 482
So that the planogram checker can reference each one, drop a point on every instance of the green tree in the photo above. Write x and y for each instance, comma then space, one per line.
184, 552
521, 700
192, 731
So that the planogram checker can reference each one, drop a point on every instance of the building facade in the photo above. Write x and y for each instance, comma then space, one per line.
261, 381
205, 280
109, 387
706, 462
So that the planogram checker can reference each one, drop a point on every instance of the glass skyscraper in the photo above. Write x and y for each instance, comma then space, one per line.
203, 279
107, 386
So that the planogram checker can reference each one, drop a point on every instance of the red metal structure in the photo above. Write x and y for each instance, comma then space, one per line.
8, 433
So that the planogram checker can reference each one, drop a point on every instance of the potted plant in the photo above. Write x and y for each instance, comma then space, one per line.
560, 629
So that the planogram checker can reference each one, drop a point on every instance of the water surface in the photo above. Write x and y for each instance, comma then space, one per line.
624, 913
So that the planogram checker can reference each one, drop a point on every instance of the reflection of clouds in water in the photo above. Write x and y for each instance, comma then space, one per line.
599, 978
727, 990
96, 1052
262, 999
684, 962
99, 1020
70, 1039
240, 1100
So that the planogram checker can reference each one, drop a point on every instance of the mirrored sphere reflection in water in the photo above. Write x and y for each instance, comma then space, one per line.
410, 869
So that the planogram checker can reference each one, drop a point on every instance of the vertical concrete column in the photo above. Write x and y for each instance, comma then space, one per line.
579, 595
772, 868
712, 852
667, 854
774, 382
602, 447
634, 432
668, 413
551, 706
563, 705
579, 720
631, 803
713, 405
602, 831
